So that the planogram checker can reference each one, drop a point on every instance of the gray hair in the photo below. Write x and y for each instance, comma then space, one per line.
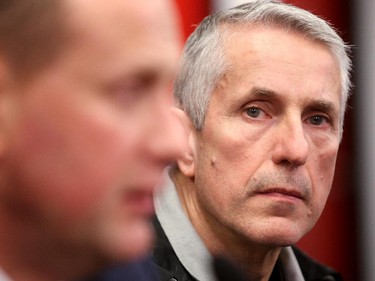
204, 61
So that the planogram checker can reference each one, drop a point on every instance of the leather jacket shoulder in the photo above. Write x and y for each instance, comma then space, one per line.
171, 269
166, 260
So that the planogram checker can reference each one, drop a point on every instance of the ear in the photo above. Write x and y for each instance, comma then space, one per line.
186, 161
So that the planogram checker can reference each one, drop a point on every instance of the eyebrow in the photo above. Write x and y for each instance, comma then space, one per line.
325, 106
322, 105
256, 92
262, 92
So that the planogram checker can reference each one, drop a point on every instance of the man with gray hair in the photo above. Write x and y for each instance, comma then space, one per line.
262, 91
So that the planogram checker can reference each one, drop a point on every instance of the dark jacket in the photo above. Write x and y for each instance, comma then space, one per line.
142, 270
171, 269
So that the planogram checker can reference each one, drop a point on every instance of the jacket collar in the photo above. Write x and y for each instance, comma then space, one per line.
187, 244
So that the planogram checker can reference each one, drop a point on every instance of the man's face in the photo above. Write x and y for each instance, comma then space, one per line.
265, 157
85, 141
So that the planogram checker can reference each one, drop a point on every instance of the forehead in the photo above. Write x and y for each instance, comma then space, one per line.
255, 43
123, 20
117, 38
281, 61
125, 14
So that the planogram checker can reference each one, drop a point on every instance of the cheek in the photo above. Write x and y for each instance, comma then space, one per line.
223, 170
72, 168
229, 152
324, 177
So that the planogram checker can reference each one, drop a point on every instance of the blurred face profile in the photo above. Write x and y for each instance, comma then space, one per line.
85, 140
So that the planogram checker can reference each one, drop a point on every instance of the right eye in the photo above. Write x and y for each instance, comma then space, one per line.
255, 112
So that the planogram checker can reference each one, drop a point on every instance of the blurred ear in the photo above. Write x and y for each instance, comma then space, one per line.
186, 161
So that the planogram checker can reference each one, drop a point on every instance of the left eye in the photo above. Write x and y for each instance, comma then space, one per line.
253, 112
318, 120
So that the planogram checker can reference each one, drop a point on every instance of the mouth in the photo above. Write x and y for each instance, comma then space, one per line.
282, 193
140, 202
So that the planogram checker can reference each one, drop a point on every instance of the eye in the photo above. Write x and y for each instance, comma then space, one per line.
132, 90
255, 112
127, 94
318, 120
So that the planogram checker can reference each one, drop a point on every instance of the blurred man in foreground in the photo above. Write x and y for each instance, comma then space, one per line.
85, 132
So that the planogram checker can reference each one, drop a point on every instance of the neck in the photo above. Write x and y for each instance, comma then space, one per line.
256, 260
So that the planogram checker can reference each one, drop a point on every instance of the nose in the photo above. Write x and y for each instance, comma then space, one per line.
290, 145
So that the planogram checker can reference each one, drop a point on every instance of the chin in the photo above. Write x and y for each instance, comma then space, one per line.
278, 235
130, 243
284, 240
276, 239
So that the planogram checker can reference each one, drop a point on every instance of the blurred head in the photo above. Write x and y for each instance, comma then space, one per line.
86, 126
32, 33
264, 86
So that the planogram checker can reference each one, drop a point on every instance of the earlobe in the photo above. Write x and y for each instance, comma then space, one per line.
186, 161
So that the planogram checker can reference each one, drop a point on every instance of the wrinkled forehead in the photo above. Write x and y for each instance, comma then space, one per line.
272, 39
262, 54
